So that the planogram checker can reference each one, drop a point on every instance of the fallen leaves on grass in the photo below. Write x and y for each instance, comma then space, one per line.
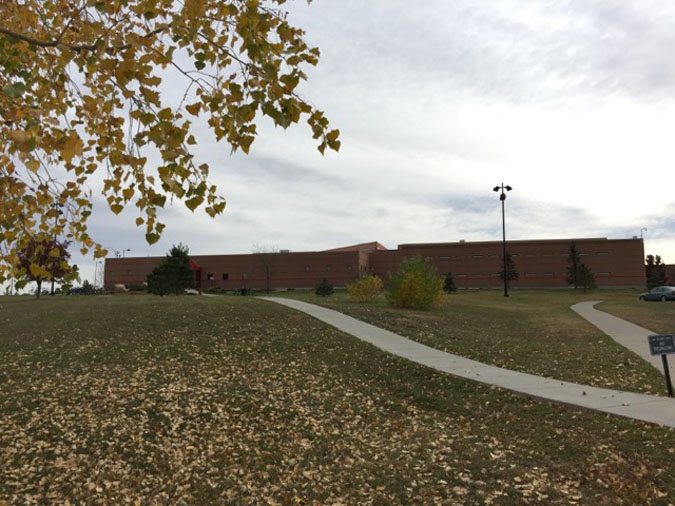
254, 404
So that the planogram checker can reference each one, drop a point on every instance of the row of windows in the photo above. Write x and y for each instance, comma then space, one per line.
329, 268
226, 276
245, 275
526, 274
515, 255
348, 267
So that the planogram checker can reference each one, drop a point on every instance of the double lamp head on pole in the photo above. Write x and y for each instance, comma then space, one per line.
502, 188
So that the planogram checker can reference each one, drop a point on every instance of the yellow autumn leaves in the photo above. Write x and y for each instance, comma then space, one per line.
82, 95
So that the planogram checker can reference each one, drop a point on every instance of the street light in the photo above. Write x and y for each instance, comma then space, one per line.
502, 197
118, 253
642, 230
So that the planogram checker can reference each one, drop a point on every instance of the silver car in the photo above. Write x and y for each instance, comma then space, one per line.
662, 293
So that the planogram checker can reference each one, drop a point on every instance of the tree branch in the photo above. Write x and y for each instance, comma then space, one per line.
72, 47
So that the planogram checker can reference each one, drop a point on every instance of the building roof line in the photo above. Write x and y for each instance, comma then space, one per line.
512, 241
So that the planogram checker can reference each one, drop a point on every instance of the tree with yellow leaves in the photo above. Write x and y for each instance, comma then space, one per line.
82, 104
45, 259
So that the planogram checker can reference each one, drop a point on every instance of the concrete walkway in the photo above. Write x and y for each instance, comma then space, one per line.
648, 408
625, 333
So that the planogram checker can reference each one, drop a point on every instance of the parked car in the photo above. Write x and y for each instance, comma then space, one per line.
662, 293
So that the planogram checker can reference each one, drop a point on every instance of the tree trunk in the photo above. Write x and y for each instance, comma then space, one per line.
39, 288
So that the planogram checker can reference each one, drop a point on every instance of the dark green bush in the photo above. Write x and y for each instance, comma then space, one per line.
174, 275
449, 283
324, 288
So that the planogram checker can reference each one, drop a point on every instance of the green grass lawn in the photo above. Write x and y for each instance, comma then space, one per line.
226, 400
533, 331
656, 316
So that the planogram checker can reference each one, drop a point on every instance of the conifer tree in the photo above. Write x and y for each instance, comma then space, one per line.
573, 267
174, 275
655, 270
586, 277
511, 268
324, 288
449, 285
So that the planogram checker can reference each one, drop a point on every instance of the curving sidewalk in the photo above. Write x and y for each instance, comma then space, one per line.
625, 333
648, 408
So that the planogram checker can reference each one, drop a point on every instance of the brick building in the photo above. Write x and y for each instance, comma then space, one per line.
540, 263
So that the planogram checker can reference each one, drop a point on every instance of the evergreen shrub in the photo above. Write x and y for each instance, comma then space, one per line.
324, 288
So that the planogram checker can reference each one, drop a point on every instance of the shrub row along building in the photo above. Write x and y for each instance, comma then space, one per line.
539, 263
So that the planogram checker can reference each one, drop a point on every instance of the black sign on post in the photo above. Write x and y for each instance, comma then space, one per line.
663, 344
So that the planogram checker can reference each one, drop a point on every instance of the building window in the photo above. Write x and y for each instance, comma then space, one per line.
306, 268
530, 274
129, 272
547, 254
603, 253
548, 274
210, 277
461, 275
478, 256
226, 276
244, 276
604, 273
329, 267
444, 258
348, 267
428, 259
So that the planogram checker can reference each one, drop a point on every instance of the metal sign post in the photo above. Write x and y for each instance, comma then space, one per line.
664, 345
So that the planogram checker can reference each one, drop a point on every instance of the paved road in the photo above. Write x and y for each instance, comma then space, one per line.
648, 408
625, 333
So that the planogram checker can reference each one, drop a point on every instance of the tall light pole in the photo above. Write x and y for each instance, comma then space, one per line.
124, 251
502, 197
641, 231
57, 206
96, 265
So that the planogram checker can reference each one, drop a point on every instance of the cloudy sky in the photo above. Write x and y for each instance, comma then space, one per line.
569, 102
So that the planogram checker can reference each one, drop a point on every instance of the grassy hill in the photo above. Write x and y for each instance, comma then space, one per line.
226, 400
533, 331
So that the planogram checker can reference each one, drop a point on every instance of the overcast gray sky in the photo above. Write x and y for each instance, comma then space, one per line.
569, 102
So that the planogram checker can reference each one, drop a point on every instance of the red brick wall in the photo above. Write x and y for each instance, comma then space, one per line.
474, 265
131, 272
670, 274
539, 263
286, 270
